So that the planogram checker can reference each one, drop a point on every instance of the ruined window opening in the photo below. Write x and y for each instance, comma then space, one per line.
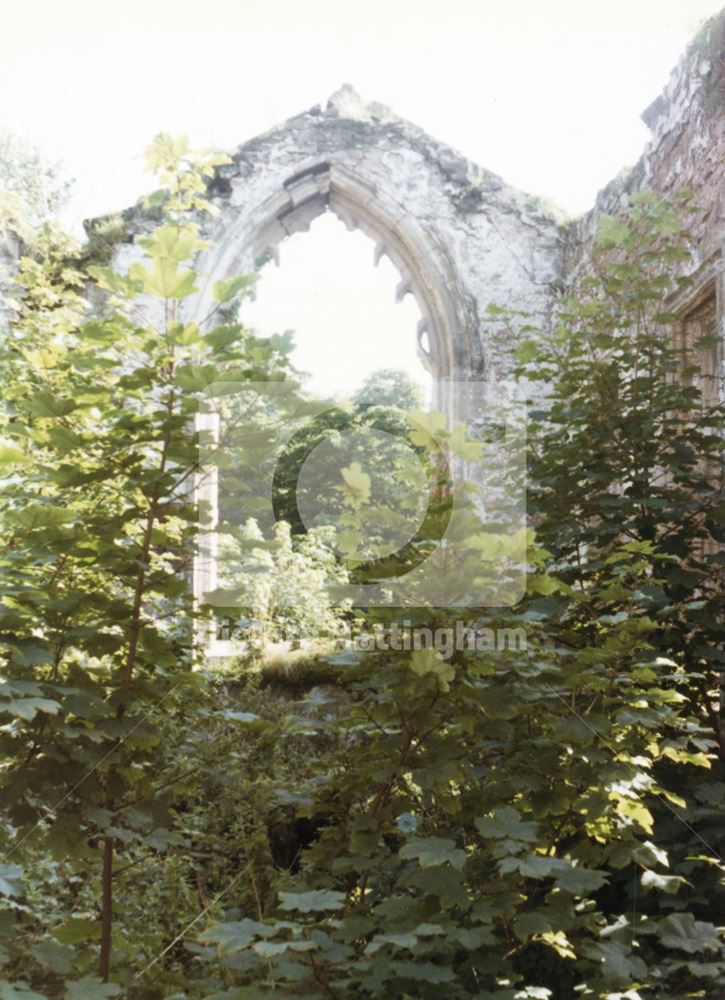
347, 304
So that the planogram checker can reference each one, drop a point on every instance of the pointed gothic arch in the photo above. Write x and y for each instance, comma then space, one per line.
459, 237
427, 270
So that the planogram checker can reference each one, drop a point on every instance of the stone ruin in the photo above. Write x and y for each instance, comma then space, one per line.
460, 237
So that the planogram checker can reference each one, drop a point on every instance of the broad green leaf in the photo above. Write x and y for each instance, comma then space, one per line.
28, 708
56, 957
111, 281
618, 965
528, 925
635, 811
164, 279
308, 902
356, 485
11, 880
532, 865
430, 661
408, 941
11, 456
611, 231
422, 972
184, 335
559, 942
77, 929
229, 288
270, 949
49, 404
686, 757
425, 426
650, 854
39, 515
18, 991
506, 823
234, 935
580, 881
166, 151
432, 851
469, 451
172, 244
682, 931
664, 883
90, 988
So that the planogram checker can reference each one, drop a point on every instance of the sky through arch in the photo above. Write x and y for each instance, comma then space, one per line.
344, 330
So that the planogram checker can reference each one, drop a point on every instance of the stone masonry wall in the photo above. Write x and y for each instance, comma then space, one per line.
686, 148
460, 237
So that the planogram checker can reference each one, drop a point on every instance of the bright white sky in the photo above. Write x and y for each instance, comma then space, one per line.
547, 94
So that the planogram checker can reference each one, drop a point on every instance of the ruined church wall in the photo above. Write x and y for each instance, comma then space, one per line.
460, 237
686, 150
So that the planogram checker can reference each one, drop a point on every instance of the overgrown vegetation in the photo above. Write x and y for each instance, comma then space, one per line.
539, 823
32, 190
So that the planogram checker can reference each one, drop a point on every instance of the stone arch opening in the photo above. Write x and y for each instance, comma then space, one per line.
426, 269
459, 237
346, 306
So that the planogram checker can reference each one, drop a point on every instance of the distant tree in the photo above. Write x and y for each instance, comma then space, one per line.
283, 583
379, 405
32, 192
390, 387
32, 189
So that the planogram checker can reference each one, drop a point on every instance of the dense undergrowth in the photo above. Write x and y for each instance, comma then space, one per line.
539, 822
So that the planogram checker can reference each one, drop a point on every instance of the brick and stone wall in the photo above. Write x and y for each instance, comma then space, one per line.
686, 148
